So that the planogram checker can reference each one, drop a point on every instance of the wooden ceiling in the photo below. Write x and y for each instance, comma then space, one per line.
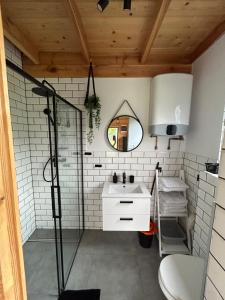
61, 37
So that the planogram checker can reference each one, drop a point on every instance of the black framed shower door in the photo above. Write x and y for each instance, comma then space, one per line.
65, 170
65, 141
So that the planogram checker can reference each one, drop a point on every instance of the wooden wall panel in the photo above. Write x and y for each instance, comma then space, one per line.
12, 276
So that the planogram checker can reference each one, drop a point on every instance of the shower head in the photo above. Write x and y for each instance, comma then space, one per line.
47, 112
42, 91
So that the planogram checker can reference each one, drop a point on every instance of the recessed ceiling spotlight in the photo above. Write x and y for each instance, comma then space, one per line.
102, 4
127, 4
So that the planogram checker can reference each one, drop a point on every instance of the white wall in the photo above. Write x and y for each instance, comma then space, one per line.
112, 91
208, 102
215, 288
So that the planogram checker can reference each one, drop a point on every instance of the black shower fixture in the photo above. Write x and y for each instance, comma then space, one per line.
44, 91
127, 4
47, 112
102, 4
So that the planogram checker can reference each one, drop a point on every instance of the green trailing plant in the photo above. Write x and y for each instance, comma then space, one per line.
93, 107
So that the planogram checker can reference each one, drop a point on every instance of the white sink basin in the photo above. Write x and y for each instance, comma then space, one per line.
128, 189
125, 190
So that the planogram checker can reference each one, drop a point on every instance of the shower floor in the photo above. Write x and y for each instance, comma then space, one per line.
40, 261
69, 235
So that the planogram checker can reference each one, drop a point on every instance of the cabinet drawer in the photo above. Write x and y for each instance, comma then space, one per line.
114, 206
126, 222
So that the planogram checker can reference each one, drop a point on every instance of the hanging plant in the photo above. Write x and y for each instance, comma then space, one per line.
93, 106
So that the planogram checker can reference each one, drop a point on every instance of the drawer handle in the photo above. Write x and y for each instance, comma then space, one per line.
126, 219
2, 197
129, 202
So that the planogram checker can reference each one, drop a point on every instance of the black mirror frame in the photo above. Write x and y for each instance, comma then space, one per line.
129, 117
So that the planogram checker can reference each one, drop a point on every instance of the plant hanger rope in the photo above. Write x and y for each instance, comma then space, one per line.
93, 106
90, 76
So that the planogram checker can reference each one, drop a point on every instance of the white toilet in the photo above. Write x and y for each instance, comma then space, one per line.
181, 277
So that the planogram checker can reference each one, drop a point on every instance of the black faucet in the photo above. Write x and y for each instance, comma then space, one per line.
124, 177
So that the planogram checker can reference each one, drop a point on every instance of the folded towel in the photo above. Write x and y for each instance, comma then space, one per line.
173, 207
172, 184
172, 198
173, 212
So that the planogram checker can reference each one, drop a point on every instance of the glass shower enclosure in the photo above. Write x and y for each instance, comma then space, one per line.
55, 129
65, 135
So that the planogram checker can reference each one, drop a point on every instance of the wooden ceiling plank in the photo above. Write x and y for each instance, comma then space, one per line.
50, 24
157, 24
76, 18
211, 38
26, 9
15, 36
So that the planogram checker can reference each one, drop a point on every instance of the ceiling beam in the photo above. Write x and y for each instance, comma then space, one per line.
72, 58
211, 38
155, 29
69, 71
76, 18
16, 37
73, 65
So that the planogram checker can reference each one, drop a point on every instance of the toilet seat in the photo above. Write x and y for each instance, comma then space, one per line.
181, 277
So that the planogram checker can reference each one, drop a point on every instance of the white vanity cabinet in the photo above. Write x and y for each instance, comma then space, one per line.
125, 207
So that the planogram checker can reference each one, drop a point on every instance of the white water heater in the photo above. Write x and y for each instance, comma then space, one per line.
170, 104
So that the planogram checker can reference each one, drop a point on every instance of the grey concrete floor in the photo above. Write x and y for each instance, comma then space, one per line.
115, 263
111, 261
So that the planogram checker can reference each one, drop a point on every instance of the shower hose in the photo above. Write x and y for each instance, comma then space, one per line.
44, 169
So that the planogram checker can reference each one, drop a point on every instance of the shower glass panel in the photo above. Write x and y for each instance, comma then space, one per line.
66, 186
55, 146
55, 189
70, 180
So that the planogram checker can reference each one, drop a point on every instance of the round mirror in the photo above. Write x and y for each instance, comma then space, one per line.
125, 133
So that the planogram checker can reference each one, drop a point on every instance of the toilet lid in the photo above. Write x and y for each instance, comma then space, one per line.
182, 276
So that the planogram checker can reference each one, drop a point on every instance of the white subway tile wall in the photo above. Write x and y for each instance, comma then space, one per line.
193, 165
201, 195
204, 214
139, 164
69, 146
18, 109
